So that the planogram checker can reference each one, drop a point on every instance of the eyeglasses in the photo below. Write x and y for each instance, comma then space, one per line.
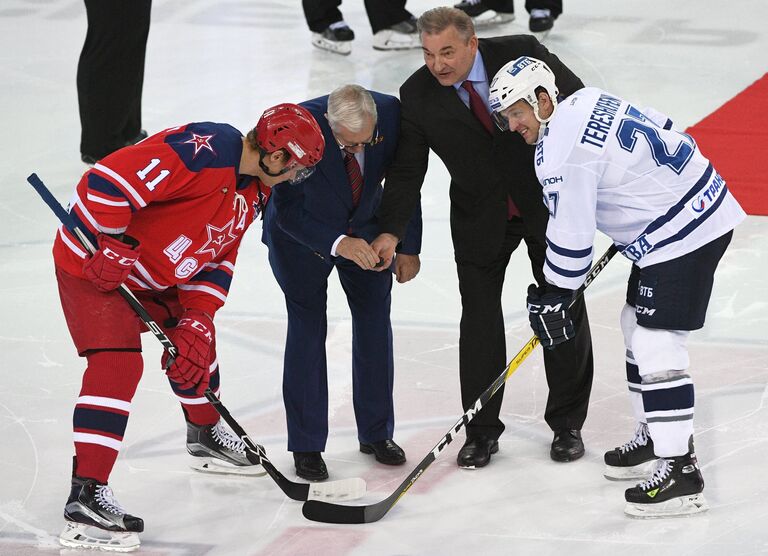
373, 141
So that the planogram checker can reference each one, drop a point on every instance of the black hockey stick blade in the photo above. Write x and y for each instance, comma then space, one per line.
347, 489
326, 512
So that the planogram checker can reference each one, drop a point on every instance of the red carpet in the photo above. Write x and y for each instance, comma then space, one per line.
735, 139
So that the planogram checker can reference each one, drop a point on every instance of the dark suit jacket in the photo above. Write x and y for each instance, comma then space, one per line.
483, 169
318, 210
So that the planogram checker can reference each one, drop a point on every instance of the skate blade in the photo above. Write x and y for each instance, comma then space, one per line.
337, 47
541, 36
675, 507
217, 467
80, 535
344, 489
390, 47
638, 472
492, 18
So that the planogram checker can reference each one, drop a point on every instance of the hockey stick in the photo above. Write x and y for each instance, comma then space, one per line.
326, 512
348, 489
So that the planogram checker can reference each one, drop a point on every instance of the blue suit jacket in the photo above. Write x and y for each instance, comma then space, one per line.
318, 210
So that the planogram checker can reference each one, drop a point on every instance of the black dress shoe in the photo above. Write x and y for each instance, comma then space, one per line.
88, 159
140, 137
567, 445
310, 466
386, 452
477, 451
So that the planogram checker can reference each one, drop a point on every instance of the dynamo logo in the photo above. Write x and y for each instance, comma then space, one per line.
521, 64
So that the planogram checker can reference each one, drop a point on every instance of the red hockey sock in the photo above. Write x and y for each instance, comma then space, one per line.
102, 409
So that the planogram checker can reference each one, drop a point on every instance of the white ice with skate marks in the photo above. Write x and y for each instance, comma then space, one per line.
664, 55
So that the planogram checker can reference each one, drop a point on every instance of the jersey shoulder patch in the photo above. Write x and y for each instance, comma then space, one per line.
206, 145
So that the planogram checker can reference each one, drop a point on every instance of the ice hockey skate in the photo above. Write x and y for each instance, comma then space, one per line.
96, 520
214, 449
674, 489
401, 36
540, 23
483, 16
633, 460
336, 38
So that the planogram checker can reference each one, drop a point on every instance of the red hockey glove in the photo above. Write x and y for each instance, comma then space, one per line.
193, 337
110, 265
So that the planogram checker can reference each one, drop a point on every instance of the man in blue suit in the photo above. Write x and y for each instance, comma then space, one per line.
327, 222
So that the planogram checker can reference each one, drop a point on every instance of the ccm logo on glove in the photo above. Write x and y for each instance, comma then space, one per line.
193, 337
111, 264
198, 326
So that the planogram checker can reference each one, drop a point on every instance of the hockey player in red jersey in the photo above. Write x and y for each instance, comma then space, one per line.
168, 215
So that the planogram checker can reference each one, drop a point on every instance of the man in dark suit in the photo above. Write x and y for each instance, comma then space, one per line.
327, 222
496, 203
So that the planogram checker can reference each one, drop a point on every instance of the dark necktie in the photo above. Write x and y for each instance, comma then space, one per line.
355, 177
477, 106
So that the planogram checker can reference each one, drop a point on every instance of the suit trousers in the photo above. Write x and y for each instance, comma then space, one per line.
303, 277
482, 346
381, 13
110, 74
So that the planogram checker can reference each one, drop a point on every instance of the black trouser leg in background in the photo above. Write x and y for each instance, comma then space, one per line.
482, 344
110, 74
569, 366
321, 13
385, 13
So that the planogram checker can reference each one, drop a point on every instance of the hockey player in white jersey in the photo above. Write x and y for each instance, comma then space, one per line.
606, 165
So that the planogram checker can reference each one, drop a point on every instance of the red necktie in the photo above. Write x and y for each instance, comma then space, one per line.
477, 106
355, 177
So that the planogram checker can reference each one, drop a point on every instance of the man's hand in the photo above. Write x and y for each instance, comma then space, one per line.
384, 247
193, 337
549, 316
111, 264
406, 267
358, 251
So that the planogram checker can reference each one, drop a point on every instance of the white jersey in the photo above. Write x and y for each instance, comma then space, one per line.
606, 165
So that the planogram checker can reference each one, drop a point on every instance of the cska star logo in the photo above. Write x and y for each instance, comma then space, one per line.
200, 142
218, 239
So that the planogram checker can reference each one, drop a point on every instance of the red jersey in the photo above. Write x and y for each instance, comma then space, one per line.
179, 193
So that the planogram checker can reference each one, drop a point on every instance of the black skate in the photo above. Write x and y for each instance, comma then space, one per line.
633, 460
216, 450
675, 488
96, 520
483, 16
541, 21
336, 38
401, 36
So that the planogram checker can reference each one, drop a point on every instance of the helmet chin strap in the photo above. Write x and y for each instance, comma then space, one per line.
266, 170
543, 121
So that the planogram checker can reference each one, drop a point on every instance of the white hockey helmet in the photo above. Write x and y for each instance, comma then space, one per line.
518, 80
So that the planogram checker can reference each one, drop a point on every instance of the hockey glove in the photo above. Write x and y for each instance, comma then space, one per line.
193, 337
111, 264
548, 313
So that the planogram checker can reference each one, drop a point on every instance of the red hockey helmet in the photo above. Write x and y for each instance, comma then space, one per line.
291, 127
